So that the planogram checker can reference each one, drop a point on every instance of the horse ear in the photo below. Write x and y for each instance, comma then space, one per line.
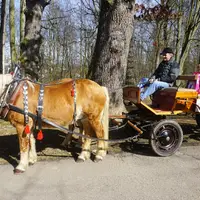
40, 135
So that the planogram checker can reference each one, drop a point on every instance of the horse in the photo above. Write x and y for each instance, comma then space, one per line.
64, 103
67, 142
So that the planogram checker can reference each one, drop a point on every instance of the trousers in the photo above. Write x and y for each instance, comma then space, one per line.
156, 85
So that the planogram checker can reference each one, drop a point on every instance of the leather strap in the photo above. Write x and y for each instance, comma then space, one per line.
40, 106
67, 131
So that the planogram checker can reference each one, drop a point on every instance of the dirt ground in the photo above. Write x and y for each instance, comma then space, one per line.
50, 147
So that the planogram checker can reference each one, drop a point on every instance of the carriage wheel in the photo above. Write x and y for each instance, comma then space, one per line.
166, 137
197, 117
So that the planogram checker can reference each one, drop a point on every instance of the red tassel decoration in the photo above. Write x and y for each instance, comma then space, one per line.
72, 93
27, 129
40, 135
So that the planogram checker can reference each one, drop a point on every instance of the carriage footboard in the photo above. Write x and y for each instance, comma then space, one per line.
131, 93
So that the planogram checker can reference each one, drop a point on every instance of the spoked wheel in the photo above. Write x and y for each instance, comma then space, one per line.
166, 137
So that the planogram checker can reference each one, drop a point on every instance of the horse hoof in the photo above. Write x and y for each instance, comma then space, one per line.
98, 159
18, 171
80, 160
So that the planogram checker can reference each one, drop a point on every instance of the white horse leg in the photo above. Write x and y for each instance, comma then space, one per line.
24, 149
27, 148
23, 164
102, 146
100, 134
85, 153
101, 151
32, 151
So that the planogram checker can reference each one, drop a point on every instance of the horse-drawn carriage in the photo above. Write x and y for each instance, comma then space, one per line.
165, 135
63, 104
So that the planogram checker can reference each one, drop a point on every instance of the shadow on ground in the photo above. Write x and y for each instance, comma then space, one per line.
50, 147
142, 147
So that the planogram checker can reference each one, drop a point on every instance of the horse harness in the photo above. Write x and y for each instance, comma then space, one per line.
39, 119
40, 107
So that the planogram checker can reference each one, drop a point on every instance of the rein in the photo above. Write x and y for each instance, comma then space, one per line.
67, 131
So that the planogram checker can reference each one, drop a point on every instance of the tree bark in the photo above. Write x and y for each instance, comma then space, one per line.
2, 35
22, 19
109, 63
131, 68
179, 31
192, 24
13, 52
30, 46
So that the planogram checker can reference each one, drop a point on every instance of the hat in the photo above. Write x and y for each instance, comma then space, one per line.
166, 50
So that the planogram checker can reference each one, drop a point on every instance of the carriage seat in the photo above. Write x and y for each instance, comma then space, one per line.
178, 92
165, 98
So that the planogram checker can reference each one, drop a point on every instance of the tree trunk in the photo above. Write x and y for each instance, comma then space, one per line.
22, 19
131, 67
2, 35
159, 41
12, 33
30, 46
179, 32
109, 62
192, 25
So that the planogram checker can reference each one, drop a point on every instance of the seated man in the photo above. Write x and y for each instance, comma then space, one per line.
164, 76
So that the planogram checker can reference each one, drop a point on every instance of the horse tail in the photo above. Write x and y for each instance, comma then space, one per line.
105, 120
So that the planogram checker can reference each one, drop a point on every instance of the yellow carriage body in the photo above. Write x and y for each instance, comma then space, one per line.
168, 101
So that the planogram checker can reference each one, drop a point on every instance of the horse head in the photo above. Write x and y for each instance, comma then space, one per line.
9, 84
